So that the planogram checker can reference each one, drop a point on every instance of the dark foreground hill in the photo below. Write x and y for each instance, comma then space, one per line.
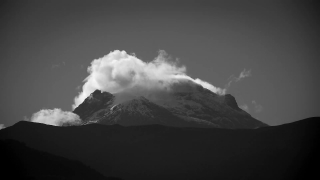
159, 152
21, 162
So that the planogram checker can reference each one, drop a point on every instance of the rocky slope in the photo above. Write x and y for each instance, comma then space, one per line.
198, 107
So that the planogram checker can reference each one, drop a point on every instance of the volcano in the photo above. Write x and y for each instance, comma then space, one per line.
188, 105
188, 133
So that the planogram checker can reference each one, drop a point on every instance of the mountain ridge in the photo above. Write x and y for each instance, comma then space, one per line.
164, 152
22, 162
200, 108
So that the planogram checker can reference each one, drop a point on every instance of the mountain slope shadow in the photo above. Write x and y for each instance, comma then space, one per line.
159, 152
21, 162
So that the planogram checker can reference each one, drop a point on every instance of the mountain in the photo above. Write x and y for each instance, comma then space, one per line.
194, 107
282, 152
21, 162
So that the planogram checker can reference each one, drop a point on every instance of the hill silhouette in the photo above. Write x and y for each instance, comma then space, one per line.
160, 152
21, 162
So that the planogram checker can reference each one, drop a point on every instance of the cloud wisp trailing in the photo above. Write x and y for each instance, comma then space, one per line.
55, 117
120, 72
257, 107
2, 126
244, 107
245, 73
53, 66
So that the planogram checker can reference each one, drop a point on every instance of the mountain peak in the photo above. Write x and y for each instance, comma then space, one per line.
94, 102
189, 105
98, 94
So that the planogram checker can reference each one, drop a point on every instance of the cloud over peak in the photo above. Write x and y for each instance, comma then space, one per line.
119, 72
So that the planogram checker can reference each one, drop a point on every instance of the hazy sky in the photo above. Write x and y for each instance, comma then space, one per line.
46, 47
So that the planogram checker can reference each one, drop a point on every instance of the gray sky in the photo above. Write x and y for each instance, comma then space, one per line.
46, 48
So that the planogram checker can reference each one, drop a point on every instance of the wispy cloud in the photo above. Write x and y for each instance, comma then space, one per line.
53, 66
25, 118
254, 106
244, 107
78, 88
55, 117
257, 107
120, 72
2, 126
245, 73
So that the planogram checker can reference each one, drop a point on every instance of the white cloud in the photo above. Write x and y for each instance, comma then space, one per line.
210, 86
257, 107
2, 126
55, 117
121, 72
25, 118
53, 66
245, 73
244, 107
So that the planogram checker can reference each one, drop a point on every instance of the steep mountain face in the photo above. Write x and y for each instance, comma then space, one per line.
194, 107
92, 104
